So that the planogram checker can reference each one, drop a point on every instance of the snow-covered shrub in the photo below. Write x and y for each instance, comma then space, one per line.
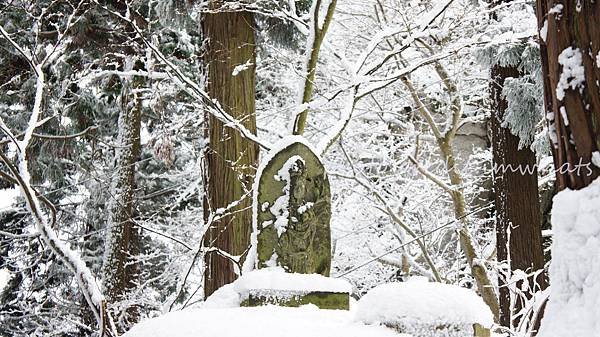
425, 309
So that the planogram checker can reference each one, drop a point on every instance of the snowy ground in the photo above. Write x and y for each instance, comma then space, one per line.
419, 307
267, 321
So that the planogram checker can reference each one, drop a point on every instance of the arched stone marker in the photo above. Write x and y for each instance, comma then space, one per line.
293, 211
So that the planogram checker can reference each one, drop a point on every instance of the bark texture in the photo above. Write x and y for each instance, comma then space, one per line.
573, 112
120, 270
518, 215
231, 160
573, 120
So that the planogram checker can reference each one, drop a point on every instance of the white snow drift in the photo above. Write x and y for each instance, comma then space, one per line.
267, 321
574, 306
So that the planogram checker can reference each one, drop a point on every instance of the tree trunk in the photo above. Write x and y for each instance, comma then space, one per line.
231, 160
570, 54
456, 191
120, 270
518, 218
572, 32
478, 270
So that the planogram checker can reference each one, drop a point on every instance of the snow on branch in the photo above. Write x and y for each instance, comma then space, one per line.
44, 223
387, 209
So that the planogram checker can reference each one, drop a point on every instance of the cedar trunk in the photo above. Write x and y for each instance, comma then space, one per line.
119, 270
518, 216
573, 117
574, 120
231, 160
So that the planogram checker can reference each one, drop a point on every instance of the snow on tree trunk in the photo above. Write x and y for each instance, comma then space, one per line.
574, 306
570, 45
230, 158
119, 269
316, 35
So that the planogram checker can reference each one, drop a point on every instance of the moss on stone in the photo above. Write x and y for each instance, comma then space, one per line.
305, 245
480, 331
323, 300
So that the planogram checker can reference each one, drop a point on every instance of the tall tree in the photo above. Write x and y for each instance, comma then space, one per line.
120, 270
518, 215
570, 53
122, 245
518, 218
230, 159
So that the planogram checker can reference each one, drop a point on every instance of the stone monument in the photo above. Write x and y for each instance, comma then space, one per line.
292, 212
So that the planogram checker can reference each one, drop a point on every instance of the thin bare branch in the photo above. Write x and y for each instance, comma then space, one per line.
438, 181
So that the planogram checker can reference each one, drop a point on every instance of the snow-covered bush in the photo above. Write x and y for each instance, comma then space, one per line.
425, 309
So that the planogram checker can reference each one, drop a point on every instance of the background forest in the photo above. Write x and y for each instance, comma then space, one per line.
137, 139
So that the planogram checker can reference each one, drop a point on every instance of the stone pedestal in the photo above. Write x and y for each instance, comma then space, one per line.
321, 299
275, 286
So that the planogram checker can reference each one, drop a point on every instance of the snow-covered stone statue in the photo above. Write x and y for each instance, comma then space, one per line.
292, 210
291, 239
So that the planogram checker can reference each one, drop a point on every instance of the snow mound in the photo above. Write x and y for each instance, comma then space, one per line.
267, 321
275, 278
419, 307
574, 305
224, 297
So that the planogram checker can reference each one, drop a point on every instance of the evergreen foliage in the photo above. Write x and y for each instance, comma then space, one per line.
523, 94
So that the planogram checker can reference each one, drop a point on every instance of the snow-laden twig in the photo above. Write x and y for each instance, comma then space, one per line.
131, 73
45, 224
205, 247
340, 126
35, 113
23, 51
387, 209
390, 261
393, 250
437, 180
356, 95
19, 236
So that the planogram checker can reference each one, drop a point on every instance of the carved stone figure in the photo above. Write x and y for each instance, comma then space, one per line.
293, 212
